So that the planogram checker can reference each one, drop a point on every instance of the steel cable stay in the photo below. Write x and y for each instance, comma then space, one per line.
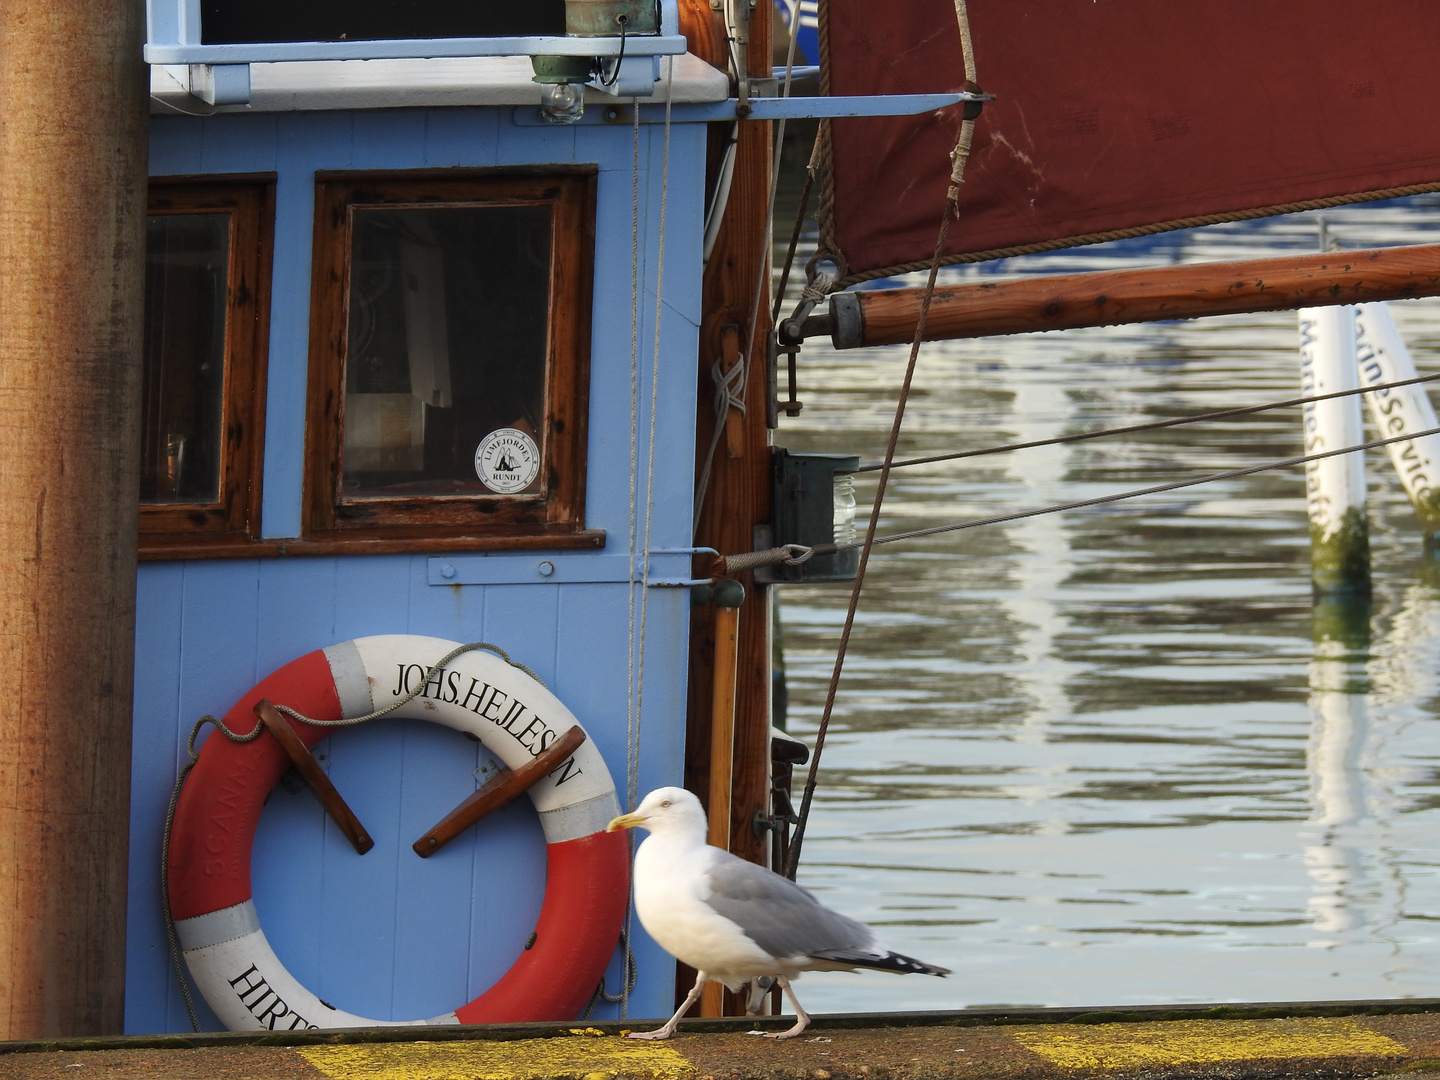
1228, 474
794, 554
1156, 425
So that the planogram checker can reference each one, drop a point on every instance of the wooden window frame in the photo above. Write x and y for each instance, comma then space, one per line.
181, 530
471, 522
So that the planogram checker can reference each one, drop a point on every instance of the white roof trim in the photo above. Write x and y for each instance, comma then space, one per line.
393, 84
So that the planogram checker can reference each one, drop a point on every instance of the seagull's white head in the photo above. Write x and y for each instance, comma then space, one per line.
666, 810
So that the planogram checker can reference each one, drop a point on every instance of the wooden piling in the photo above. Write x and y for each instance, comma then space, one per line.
72, 221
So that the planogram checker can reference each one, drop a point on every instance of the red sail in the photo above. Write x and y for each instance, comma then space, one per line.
1118, 117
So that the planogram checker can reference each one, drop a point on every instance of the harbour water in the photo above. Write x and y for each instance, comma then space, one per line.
1118, 755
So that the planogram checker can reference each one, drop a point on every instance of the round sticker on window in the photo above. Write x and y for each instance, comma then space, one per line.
507, 460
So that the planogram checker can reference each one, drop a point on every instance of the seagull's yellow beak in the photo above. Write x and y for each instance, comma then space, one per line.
625, 821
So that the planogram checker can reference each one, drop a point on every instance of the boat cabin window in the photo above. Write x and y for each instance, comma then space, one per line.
203, 372
449, 355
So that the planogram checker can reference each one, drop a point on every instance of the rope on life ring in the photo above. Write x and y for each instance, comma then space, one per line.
218, 809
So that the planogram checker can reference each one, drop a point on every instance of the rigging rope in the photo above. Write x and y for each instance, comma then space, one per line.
958, 158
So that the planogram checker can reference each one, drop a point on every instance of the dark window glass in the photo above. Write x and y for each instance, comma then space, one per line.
237, 21
187, 264
446, 346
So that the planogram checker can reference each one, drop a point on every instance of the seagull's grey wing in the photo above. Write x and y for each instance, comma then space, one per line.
778, 915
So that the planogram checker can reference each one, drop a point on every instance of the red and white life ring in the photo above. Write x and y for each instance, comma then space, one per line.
208, 867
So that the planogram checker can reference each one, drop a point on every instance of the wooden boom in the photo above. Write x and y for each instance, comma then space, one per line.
1110, 297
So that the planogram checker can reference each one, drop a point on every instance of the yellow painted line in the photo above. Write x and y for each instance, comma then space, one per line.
580, 1058
1175, 1042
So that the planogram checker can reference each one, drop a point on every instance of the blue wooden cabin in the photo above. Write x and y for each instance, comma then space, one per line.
390, 223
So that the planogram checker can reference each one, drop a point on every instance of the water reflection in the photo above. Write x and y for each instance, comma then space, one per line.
1338, 782
1115, 755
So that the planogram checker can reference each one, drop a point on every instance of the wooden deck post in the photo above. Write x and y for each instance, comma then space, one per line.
72, 221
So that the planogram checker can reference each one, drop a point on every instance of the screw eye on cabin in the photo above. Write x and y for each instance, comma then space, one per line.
397, 291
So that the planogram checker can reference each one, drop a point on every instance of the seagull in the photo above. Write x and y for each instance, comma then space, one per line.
733, 921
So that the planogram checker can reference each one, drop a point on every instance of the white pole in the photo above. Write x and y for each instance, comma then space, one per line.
1384, 359
1335, 486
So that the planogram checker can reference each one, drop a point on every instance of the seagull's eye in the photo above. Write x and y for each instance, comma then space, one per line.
665, 803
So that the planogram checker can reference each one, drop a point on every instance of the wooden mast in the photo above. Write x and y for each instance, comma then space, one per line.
739, 489
72, 221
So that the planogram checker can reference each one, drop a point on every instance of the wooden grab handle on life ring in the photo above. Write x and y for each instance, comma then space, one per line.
504, 786
310, 771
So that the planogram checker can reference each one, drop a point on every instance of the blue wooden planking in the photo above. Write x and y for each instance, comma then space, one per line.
610, 147
455, 613
296, 609
386, 137
372, 595
521, 620
175, 145
550, 145
666, 645
608, 494
591, 677
239, 144
287, 874
220, 635
359, 894
684, 205
431, 970
674, 480
594, 680
507, 888
462, 136
155, 756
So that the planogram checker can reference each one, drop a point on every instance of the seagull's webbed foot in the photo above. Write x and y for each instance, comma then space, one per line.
659, 1033
670, 1025
789, 1033
802, 1018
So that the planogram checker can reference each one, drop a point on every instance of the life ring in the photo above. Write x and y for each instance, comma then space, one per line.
216, 814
